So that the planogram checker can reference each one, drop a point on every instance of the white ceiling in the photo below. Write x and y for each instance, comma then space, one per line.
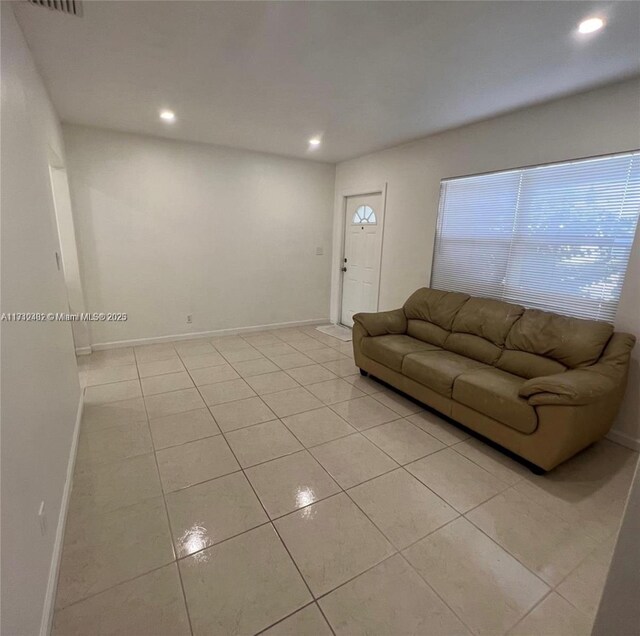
364, 75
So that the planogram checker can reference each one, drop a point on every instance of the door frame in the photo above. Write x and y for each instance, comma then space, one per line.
360, 192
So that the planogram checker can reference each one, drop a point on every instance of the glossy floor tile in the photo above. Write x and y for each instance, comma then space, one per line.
403, 508
271, 382
112, 485
160, 367
583, 587
258, 483
292, 401
105, 375
262, 442
291, 482
334, 391
150, 605
391, 598
166, 382
308, 621
243, 585
112, 392
352, 460
317, 426
211, 512
240, 413
194, 462
365, 412
113, 414
102, 550
173, 402
438, 427
485, 586
229, 391
188, 426
203, 361
403, 441
460, 482
546, 544
311, 374
99, 446
401, 405
331, 542
553, 615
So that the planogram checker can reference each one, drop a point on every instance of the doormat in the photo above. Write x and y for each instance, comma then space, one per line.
337, 331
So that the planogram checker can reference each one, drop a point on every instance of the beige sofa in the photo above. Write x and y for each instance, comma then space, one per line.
542, 385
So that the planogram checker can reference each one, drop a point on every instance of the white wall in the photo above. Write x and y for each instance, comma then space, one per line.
598, 122
40, 390
167, 228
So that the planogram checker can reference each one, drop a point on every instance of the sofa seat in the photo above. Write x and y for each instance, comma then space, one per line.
390, 350
438, 369
495, 393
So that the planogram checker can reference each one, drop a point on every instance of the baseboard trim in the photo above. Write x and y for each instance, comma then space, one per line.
98, 346
52, 583
83, 351
624, 440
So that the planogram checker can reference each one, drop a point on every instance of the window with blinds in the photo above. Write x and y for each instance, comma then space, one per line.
554, 237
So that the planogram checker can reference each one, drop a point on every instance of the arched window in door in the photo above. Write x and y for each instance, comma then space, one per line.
364, 215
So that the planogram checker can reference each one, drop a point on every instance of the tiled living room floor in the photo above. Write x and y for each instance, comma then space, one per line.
240, 484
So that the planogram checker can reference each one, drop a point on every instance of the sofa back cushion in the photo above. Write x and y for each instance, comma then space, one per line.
435, 306
489, 319
481, 327
572, 342
427, 332
473, 347
528, 365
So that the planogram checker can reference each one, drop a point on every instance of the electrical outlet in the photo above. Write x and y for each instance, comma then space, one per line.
42, 518
189, 318
319, 251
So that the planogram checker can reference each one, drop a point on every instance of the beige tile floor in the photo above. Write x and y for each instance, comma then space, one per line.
257, 483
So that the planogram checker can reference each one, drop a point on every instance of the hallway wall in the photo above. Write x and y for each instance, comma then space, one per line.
40, 388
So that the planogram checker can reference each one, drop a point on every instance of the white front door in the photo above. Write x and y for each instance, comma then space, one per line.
362, 249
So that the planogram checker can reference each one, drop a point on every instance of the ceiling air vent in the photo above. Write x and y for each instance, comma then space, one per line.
72, 7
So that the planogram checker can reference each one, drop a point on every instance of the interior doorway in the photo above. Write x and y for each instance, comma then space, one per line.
68, 258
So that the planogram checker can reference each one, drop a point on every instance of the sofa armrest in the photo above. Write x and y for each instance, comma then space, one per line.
604, 380
382, 322
578, 386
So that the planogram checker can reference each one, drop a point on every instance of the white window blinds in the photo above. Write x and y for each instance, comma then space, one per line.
554, 237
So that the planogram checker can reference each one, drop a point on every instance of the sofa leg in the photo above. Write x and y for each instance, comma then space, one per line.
364, 373
536, 470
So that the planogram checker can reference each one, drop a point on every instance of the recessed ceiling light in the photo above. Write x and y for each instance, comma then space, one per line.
314, 142
591, 25
167, 115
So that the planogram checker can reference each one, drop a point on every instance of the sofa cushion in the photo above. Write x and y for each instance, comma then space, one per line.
438, 369
390, 350
495, 393
466, 344
487, 318
433, 305
528, 365
571, 341
427, 332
